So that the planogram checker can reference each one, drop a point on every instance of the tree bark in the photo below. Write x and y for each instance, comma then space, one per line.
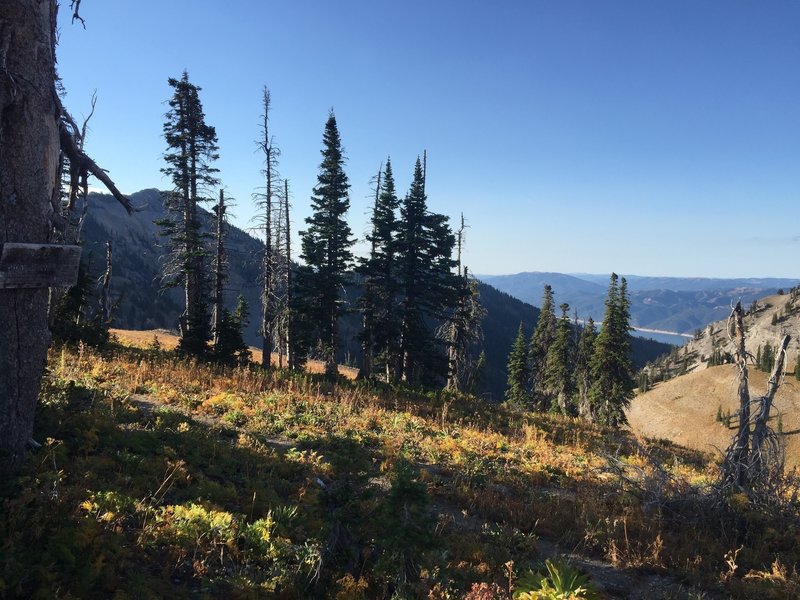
765, 405
105, 297
741, 447
219, 267
290, 361
29, 156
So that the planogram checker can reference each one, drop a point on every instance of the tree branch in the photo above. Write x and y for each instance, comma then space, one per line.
75, 7
72, 146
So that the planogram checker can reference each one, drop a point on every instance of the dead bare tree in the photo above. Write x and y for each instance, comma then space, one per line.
290, 361
219, 268
738, 454
34, 129
105, 298
754, 461
463, 328
271, 154
765, 448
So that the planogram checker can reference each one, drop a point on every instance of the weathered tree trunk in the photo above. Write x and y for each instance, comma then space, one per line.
219, 266
760, 430
741, 447
105, 296
290, 361
29, 156
454, 341
267, 314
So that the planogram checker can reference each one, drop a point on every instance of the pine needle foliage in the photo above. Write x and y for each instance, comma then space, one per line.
326, 244
518, 371
611, 365
543, 337
191, 150
429, 287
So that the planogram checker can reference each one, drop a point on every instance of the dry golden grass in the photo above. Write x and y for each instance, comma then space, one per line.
499, 477
683, 410
144, 338
169, 340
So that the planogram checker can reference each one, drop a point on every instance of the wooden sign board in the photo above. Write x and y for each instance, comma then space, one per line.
38, 265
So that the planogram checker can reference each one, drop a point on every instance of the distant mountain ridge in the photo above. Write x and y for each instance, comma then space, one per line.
679, 304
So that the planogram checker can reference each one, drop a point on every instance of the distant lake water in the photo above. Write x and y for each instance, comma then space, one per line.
668, 338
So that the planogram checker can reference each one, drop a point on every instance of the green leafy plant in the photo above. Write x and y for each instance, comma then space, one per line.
560, 582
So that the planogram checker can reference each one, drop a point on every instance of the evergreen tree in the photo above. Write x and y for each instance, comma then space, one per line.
767, 359
543, 337
559, 366
518, 371
230, 348
583, 369
382, 271
326, 244
428, 286
191, 148
73, 321
613, 385
381, 334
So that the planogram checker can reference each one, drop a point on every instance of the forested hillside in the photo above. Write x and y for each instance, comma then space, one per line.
142, 304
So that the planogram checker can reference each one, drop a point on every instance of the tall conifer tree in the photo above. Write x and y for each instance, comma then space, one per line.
543, 337
191, 148
559, 365
428, 285
612, 368
518, 371
326, 244
381, 333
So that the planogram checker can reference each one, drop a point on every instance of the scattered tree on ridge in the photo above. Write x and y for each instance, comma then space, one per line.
326, 245
518, 371
191, 148
543, 337
613, 385
559, 366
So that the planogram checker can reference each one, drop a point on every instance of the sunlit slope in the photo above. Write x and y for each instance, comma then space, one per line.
684, 410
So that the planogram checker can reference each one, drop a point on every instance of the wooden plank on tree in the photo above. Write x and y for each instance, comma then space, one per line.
38, 265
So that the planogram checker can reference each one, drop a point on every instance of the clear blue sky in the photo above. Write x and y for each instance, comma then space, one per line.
646, 137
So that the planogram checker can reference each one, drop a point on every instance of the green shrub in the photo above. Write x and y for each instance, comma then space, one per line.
560, 582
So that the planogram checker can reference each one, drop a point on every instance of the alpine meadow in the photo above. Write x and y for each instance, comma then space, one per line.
267, 322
